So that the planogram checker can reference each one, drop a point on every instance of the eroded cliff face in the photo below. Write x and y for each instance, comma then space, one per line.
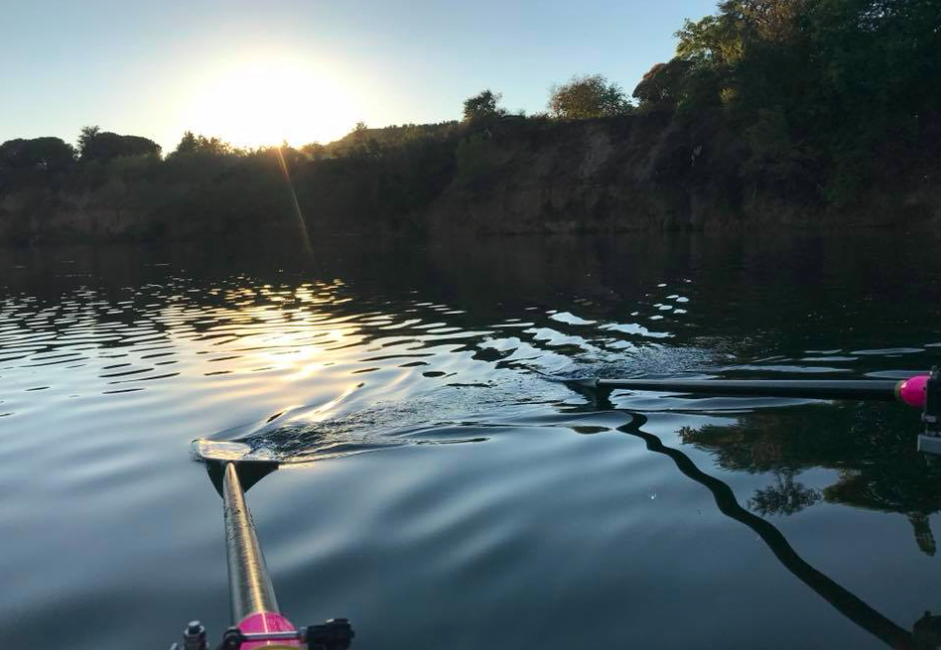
648, 172
580, 176
64, 210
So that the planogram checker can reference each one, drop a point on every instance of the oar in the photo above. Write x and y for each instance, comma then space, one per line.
920, 391
257, 621
911, 391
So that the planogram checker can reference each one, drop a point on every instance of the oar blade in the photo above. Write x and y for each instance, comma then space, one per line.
251, 464
222, 451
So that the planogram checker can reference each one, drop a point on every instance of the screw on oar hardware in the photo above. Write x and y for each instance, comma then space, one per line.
194, 636
919, 391
257, 620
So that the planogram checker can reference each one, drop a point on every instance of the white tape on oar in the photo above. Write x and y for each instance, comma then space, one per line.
224, 451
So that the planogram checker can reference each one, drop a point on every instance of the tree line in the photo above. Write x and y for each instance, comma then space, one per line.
582, 97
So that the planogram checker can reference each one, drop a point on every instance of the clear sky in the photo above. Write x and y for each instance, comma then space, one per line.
258, 71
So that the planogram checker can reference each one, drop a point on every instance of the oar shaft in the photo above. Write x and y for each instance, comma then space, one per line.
875, 389
250, 588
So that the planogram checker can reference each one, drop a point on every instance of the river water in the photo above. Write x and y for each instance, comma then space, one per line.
441, 486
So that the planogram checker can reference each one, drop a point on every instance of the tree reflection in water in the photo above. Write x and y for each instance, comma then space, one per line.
871, 447
926, 632
785, 497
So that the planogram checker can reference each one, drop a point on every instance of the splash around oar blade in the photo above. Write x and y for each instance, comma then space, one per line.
222, 451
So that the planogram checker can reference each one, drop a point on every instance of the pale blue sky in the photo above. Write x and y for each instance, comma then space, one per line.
247, 70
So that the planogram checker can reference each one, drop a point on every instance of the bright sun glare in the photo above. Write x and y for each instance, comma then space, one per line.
264, 100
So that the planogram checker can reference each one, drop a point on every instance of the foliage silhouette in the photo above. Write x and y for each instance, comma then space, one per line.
104, 146
587, 97
483, 106
51, 154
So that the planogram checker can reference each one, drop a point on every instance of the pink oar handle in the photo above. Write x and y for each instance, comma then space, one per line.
912, 390
266, 622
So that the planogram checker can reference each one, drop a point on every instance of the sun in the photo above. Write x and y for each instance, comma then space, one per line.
264, 100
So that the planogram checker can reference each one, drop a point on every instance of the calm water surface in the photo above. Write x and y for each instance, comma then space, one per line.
442, 488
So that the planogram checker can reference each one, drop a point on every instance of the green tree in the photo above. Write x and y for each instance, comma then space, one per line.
586, 97
775, 160
663, 83
191, 144
829, 85
679, 84
188, 144
483, 105
364, 144
48, 153
103, 146
314, 151
86, 136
